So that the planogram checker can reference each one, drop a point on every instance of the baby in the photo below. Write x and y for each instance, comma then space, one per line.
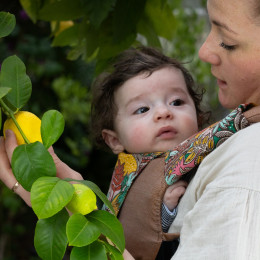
147, 104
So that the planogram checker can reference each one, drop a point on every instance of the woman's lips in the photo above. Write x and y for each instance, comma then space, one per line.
221, 83
167, 132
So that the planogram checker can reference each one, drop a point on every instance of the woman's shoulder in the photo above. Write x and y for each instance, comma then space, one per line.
249, 133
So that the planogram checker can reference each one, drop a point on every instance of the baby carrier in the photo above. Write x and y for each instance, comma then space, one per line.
137, 198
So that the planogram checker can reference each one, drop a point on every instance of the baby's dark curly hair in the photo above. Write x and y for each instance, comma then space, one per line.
129, 64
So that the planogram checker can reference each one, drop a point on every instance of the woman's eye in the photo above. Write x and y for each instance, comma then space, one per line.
227, 47
177, 102
141, 110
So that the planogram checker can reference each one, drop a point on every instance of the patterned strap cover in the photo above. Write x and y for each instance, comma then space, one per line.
185, 157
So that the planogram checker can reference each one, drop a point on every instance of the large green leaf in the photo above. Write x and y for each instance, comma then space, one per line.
80, 231
52, 126
162, 18
50, 239
94, 251
30, 162
145, 27
7, 23
126, 17
61, 10
97, 10
110, 227
13, 75
49, 195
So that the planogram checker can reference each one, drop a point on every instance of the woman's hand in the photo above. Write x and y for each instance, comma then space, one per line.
6, 175
7, 147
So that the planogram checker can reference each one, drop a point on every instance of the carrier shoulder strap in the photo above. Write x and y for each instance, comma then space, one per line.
140, 214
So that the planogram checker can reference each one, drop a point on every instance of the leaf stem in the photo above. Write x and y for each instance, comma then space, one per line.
10, 113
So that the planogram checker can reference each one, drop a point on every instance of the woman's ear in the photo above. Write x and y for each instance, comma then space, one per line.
111, 139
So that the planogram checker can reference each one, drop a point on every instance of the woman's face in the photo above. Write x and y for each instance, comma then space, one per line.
233, 50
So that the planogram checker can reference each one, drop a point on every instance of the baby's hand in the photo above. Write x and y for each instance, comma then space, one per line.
173, 194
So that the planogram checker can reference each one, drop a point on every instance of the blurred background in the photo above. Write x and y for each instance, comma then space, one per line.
64, 45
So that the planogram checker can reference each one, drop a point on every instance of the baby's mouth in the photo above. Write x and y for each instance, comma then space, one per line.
167, 132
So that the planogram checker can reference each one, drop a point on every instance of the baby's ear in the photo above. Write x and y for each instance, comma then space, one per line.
111, 139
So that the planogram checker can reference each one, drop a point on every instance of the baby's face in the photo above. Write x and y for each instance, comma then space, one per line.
155, 113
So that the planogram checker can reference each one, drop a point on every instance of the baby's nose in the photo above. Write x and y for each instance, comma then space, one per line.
163, 113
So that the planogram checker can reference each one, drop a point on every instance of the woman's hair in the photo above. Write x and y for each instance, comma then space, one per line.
129, 64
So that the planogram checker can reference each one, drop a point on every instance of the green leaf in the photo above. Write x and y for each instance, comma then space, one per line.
49, 195
52, 126
162, 18
13, 75
68, 37
4, 91
80, 231
0, 118
50, 240
30, 162
145, 27
94, 251
97, 11
62, 10
114, 254
126, 17
110, 227
31, 7
7, 23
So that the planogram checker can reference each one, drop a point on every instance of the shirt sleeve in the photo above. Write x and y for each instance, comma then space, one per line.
167, 217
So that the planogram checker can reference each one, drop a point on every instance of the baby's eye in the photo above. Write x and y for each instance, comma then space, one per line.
177, 102
141, 110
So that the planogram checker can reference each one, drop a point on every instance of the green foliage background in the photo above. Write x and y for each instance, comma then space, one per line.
63, 67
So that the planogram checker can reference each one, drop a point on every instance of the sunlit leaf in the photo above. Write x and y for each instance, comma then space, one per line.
80, 231
13, 75
110, 227
52, 126
50, 238
30, 162
94, 251
49, 195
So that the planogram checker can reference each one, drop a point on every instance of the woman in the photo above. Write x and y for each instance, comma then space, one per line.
218, 216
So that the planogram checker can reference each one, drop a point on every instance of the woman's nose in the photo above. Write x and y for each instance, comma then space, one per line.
163, 113
208, 52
